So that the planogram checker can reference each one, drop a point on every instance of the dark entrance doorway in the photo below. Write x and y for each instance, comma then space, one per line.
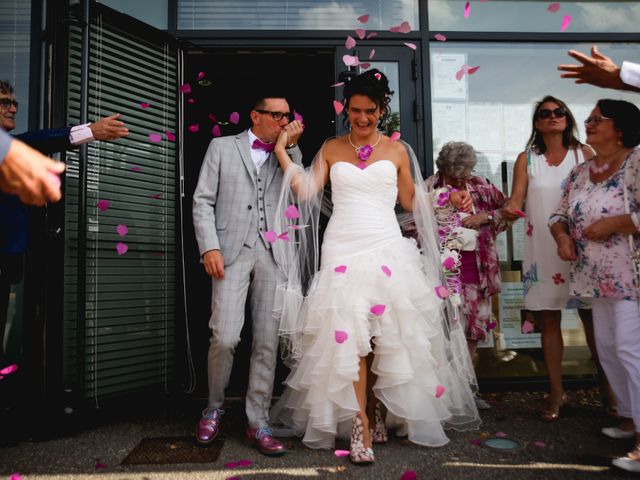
230, 81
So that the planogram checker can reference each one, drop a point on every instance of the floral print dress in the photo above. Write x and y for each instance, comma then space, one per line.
603, 269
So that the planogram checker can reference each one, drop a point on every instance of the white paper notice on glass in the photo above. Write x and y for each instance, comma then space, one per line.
517, 327
485, 126
449, 123
444, 84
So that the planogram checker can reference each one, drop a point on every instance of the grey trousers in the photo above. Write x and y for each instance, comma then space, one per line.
254, 274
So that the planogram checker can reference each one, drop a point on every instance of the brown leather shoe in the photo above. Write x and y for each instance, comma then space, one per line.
262, 440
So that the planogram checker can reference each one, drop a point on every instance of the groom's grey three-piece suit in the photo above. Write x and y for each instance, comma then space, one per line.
232, 205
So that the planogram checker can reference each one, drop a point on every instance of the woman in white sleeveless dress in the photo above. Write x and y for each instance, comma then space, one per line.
369, 335
552, 151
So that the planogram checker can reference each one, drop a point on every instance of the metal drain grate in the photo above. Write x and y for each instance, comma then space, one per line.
168, 450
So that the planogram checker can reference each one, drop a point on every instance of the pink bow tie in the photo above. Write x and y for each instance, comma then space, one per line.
260, 145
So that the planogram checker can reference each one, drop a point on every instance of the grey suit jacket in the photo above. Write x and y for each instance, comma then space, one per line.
225, 199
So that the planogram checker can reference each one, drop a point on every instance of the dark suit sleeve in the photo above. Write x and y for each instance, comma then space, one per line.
49, 141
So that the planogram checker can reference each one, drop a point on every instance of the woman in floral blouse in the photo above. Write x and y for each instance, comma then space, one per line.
593, 230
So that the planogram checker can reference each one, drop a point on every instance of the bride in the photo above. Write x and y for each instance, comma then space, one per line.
370, 335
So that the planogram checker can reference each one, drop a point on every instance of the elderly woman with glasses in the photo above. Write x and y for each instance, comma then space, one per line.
479, 269
553, 149
596, 228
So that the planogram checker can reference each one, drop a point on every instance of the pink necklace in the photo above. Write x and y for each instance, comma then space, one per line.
364, 152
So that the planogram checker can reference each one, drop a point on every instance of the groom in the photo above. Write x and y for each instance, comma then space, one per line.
233, 205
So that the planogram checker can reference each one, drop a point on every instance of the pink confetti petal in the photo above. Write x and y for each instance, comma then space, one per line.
284, 236
340, 269
185, 88
412, 46
394, 29
404, 27
442, 291
409, 475
170, 136
245, 463
100, 466
341, 453
341, 336
190, 100
378, 310
338, 107
527, 326
136, 168
539, 444
372, 53
339, 84
520, 213
122, 229
215, 131
193, 128
472, 70
363, 18
553, 7
501, 435
212, 118
439, 391
157, 196
467, 10
234, 118
270, 236
200, 76
297, 117
371, 35
292, 212
155, 137
350, 43
439, 37
395, 136
121, 248
103, 205
231, 465
566, 21
15, 476
476, 441
491, 325
365, 66
360, 33
9, 369
386, 270
144, 105
350, 60
460, 73
377, 75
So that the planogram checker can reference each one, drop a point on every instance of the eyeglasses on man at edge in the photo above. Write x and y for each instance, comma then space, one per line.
596, 120
277, 116
7, 102
546, 113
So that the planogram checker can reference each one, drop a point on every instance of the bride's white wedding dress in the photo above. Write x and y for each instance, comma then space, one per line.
371, 294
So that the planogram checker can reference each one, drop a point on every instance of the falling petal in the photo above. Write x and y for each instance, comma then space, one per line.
103, 205
297, 117
360, 32
539, 444
467, 10
372, 53
442, 291
350, 43
395, 136
566, 20
341, 336
156, 196
144, 105
554, 7
472, 70
439, 391
292, 212
341, 453
363, 18
350, 60
170, 136
234, 118
215, 131
371, 35
394, 29
476, 441
386, 270
200, 76
245, 463
501, 435
190, 100
377, 75
338, 107
122, 229
339, 84
185, 88
15, 476
100, 466
365, 66
412, 46
340, 269
527, 326
231, 465
9, 369
409, 475
136, 168
155, 137
121, 248
270, 236
404, 27
284, 236
439, 37
460, 73
378, 309
491, 325
212, 118
193, 128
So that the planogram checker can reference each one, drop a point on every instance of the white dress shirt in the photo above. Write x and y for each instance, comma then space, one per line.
630, 73
258, 156
81, 134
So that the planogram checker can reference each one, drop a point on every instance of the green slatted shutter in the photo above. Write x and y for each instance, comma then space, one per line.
130, 299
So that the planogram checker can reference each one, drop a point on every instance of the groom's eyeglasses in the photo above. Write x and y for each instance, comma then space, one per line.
546, 113
277, 116
7, 102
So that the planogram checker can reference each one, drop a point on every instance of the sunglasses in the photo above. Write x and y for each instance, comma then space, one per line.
556, 112
7, 102
596, 120
277, 116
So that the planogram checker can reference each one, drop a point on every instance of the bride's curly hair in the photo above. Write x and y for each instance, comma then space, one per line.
373, 84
